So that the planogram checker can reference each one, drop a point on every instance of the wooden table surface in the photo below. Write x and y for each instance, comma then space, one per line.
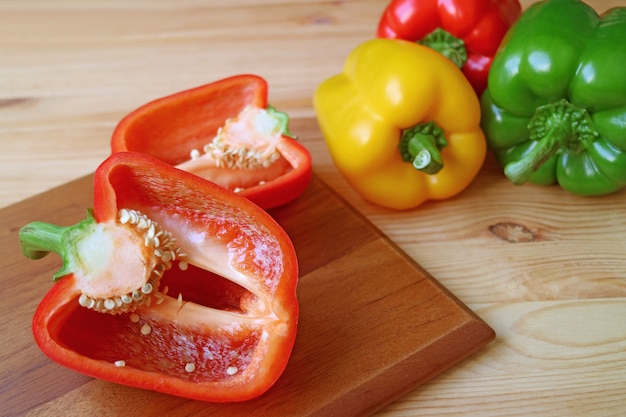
545, 269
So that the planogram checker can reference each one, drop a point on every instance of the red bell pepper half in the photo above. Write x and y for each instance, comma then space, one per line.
171, 284
466, 31
224, 132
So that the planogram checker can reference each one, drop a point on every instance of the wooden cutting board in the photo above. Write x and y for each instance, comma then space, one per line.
373, 324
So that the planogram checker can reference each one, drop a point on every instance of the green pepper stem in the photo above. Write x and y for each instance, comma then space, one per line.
421, 145
555, 127
446, 44
521, 170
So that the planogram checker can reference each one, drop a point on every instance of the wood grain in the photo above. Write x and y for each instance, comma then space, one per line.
71, 69
373, 325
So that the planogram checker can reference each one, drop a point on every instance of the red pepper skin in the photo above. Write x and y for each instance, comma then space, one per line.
481, 24
204, 217
170, 127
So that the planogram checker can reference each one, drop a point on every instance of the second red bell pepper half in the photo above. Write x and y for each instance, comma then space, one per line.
172, 284
466, 31
224, 132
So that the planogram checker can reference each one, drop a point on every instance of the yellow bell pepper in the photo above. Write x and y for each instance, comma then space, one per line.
402, 124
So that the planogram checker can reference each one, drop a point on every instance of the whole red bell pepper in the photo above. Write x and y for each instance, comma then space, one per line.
224, 132
171, 284
466, 31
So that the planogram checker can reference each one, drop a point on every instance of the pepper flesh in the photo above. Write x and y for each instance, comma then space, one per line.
221, 328
555, 109
390, 87
173, 127
466, 31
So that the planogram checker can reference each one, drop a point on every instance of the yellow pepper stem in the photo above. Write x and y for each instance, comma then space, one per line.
446, 44
421, 145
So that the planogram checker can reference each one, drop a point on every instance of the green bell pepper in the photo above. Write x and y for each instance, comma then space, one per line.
555, 106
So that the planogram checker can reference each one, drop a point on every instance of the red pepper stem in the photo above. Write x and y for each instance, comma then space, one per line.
555, 127
421, 145
446, 44
39, 239
282, 120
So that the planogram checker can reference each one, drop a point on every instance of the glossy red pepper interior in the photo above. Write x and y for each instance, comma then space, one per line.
171, 127
168, 347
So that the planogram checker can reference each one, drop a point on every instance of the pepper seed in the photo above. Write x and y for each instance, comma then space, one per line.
146, 329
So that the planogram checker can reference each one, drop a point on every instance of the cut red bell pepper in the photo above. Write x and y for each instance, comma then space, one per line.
172, 284
224, 132
466, 31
